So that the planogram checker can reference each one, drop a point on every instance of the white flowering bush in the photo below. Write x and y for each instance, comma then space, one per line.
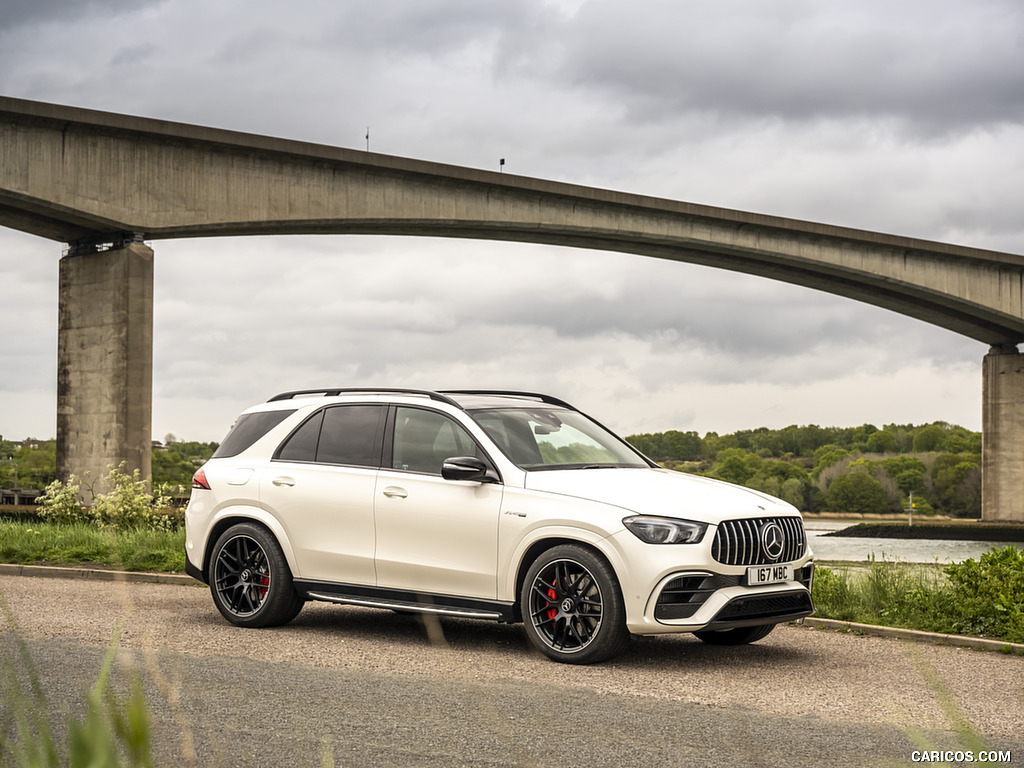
60, 503
128, 505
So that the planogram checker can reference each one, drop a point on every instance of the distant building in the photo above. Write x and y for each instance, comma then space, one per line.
18, 497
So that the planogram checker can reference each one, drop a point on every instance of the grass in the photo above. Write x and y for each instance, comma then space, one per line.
113, 733
77, 544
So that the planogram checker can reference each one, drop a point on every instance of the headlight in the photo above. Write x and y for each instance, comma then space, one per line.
665, 530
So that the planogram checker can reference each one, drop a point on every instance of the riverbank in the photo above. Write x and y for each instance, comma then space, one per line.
966, 530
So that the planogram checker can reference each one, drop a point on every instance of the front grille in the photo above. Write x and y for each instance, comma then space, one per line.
739, 542
684, 595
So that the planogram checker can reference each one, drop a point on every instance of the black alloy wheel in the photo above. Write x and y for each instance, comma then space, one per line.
250, 580
572, 608
738, 636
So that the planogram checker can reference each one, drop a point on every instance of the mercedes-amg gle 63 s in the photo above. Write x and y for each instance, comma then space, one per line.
508, 506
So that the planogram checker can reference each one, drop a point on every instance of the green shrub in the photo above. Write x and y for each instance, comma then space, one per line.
988, 594
983, 597
831, 594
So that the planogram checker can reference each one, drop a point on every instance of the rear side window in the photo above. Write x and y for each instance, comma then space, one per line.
249, 428
347, 434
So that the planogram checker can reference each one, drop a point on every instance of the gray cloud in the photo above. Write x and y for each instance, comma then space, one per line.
936, 66
903, 118
16, 13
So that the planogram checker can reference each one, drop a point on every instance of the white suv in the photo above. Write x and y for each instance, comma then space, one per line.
494, 505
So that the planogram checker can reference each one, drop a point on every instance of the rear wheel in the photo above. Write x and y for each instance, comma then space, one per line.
572, 608
250, 580
738, 636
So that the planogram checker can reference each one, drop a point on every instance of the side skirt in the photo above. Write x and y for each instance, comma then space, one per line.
403, 600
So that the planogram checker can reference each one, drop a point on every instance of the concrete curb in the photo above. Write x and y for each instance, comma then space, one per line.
916, 635
99, 574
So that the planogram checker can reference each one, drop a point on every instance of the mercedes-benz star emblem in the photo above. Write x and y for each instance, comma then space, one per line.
771, 540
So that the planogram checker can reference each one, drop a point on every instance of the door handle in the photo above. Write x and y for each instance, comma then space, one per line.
394, 492
279, 481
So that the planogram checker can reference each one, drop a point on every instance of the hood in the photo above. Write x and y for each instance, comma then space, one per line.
660, 492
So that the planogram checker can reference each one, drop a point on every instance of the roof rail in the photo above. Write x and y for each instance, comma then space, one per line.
334, 391
548, 399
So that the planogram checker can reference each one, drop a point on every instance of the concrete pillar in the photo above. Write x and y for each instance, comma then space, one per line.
1002, 431
105, 362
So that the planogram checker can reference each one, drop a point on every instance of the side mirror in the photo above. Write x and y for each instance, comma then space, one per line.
467, 468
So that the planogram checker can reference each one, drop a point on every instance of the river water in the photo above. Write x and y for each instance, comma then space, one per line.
907, 550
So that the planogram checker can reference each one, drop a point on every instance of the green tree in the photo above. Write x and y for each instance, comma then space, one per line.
174, 465
736, 465
856, 493
795, 492
956, 480
826, 456
37, 464
929, 439
883, 442
907, 471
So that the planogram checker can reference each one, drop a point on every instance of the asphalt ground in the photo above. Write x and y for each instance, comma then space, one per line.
370, 687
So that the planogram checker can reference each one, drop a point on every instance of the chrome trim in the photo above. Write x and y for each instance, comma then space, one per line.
738, 542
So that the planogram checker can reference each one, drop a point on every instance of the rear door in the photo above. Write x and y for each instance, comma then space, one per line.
320, 486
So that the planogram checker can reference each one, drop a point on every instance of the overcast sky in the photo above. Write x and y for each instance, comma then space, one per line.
892, 116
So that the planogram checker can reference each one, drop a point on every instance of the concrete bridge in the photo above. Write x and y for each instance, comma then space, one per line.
106, 183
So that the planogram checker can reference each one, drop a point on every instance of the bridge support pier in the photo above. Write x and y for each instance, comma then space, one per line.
105, 361
1002, 430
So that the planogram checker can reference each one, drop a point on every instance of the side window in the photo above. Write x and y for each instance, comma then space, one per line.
301, 445
249, 428
344, 434
350, 435
424, 439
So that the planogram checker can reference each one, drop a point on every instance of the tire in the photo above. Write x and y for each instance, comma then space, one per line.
738, 636
250, 580
572, 606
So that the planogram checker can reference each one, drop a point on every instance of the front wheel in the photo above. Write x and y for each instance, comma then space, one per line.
572, 608
250, 580
738, 636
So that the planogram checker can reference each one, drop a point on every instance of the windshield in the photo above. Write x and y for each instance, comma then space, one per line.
554, 438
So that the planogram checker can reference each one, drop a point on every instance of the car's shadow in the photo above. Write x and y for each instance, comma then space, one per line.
406, 630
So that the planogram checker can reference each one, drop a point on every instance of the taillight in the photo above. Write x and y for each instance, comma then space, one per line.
199, 480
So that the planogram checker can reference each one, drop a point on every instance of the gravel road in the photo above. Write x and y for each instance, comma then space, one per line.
371, 687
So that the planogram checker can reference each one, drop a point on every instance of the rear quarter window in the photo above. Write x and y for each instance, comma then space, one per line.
249, 428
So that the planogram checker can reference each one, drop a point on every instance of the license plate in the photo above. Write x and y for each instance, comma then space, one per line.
769, 574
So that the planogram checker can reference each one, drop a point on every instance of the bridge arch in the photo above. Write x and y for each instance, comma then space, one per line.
105, 183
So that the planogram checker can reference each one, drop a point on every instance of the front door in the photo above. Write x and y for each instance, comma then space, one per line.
434, 535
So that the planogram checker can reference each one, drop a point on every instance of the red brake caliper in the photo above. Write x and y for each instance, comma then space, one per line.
264, 585
552, 612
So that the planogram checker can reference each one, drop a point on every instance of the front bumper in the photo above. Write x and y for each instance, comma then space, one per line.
667, 596
682, 596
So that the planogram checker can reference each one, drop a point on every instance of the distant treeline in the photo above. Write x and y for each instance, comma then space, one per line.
34, 466
855, 469
858, 469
